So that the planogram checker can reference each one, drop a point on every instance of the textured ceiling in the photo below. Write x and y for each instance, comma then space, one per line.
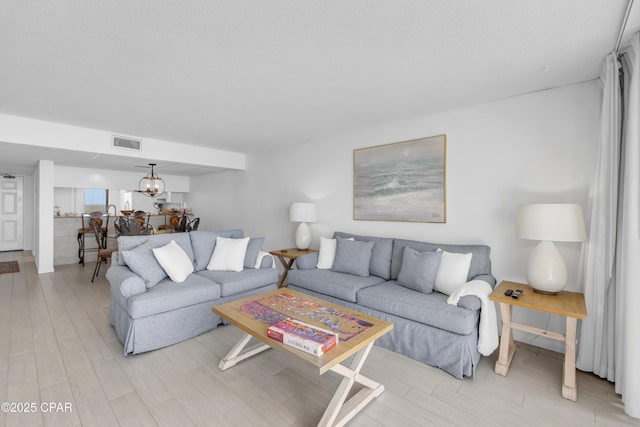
246, 75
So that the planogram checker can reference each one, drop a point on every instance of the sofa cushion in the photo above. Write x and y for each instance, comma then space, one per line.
480, 261
232, 282
228, 254
352, 257
204, 242
142, 262
431, 309
127, 243
174, 261
253, 248
327, 253
419, 270
380, 264
327, 282
308, 261
168, 295
453, 271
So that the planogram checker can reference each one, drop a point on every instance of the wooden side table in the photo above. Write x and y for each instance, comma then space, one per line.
568, 304
291, 254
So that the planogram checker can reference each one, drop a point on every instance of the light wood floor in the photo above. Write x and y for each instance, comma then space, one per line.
56, 345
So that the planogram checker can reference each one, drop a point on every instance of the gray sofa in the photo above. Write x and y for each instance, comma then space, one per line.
149, 311
426, 328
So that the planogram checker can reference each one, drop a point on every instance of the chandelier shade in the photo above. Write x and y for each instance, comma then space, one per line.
151, 185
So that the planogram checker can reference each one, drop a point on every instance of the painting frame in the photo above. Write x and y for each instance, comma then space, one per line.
401, 181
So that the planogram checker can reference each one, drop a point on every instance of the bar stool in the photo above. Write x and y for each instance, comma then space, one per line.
101, 218
173, 223
103, 252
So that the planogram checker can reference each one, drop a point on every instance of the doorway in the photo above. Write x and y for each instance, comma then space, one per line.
11, 213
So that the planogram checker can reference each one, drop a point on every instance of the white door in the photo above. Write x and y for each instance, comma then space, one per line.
11, 214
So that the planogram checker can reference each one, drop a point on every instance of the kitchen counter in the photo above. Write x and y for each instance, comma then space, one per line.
110, 216
65, 237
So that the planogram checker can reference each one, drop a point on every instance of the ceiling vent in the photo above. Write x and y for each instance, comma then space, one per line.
127, 143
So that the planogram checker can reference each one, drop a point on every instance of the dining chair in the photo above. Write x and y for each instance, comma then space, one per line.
193, 224
104, 253
181, 226
142, 217
130, 226
127, 226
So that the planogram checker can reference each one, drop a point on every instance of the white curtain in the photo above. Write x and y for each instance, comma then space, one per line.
609, 343
628, 245
595, 346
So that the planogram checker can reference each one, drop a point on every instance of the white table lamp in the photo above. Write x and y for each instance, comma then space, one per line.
547, 271
302, 213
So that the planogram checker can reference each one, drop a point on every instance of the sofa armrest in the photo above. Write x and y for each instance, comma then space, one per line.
472, 302
307, 262
125, 281
487, 278
264, 260
115, 258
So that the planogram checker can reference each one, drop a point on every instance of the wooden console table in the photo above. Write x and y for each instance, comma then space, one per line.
568, 304
291, 254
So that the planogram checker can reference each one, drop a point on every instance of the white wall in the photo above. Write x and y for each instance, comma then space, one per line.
535, 148
66, 176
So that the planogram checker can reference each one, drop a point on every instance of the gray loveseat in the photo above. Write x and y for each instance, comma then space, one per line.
149, 311
426, 327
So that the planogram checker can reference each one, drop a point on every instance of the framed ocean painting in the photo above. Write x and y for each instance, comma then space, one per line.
403, 181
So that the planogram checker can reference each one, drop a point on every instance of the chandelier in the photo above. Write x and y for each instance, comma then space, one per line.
151, 185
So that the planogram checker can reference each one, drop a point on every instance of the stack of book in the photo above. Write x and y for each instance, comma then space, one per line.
303, 336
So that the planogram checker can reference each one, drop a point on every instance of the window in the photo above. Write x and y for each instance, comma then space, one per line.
95, 199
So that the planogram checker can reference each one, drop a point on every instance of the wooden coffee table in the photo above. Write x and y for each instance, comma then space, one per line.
339, 410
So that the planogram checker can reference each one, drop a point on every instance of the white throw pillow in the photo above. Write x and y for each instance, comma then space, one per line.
174, 261
228, 254
327, 254
453, 271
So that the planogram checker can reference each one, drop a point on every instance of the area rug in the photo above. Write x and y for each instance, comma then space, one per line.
9, 267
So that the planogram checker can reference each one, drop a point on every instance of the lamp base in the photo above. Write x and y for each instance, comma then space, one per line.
303, 236
545, 292
547, 272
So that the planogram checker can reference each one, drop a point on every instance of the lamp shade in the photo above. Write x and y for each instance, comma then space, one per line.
302, 212
561, 222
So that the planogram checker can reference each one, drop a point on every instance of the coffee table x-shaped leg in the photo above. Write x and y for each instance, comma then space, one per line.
340, 410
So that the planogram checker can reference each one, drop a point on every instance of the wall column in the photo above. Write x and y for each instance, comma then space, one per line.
44, 178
